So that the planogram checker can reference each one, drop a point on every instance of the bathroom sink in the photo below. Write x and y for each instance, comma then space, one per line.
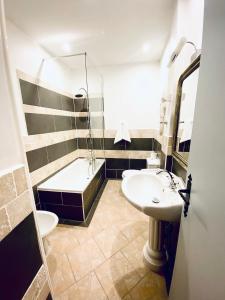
152, 194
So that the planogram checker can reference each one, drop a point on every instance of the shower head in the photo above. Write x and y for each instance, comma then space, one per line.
79, 95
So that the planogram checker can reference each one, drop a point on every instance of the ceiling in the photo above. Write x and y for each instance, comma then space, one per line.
111, 32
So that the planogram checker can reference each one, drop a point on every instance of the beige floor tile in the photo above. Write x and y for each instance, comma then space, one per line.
60, 272
83, 234
117, 276
151, 287
134, 254
131, 213
85, 258
128, 297
62, 240
78, 266
132, 229
108, 217
145, 234
110, 241
87, 288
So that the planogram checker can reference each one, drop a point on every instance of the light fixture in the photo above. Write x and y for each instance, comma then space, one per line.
181, 43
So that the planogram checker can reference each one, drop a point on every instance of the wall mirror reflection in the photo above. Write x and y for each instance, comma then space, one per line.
184, 111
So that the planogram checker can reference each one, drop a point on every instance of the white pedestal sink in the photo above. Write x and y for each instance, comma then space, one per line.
151, 193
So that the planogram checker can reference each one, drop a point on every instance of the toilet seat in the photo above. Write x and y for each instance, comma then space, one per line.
47, 221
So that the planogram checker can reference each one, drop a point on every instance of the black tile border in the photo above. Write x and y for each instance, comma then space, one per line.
65, 211
20, 254
91, 212
73, 207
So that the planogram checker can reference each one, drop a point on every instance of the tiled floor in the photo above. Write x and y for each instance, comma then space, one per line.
104, 260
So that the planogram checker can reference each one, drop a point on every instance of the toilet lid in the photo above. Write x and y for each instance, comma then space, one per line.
129, 172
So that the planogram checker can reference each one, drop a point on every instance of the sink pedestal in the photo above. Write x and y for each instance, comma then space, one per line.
153, 252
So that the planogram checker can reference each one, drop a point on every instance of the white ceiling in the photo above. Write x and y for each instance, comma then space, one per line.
111, 32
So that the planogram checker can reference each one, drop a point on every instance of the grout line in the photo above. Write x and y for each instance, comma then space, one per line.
101, 284
94, 269
74, 277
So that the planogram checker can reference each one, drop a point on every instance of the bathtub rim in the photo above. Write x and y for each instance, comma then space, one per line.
75, 191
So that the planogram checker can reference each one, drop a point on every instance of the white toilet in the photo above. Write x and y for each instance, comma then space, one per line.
152, 163
47, 221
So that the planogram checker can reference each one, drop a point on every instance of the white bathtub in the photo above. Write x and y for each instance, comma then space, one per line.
72, 179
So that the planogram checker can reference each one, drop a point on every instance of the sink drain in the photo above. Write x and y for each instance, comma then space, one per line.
155, 200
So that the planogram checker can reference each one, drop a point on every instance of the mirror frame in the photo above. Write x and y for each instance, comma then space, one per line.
193, 66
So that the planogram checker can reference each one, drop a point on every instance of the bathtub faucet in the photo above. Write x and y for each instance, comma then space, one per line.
91, 157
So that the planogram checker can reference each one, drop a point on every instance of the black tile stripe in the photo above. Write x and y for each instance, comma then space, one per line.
33, 94
96, 105
40, 123
63, 123
20, 259
117, 163
96, 122
143, 144
29, 93
81, 122
116, 166
84, 143
42, 156
37, 123
56, 151
49, 98
80, 105
109, 144
37, 158
137, 144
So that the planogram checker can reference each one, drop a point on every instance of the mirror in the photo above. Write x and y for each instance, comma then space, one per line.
184, 111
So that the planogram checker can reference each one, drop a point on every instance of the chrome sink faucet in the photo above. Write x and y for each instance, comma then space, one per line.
172, 182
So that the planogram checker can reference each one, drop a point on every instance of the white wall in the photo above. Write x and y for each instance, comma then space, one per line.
200, 266
10, 150
28, 56
131, 93
188, 23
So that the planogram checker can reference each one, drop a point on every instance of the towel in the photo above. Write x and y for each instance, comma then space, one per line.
122, 133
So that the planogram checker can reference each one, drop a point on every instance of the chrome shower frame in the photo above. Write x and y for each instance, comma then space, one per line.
91, 158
